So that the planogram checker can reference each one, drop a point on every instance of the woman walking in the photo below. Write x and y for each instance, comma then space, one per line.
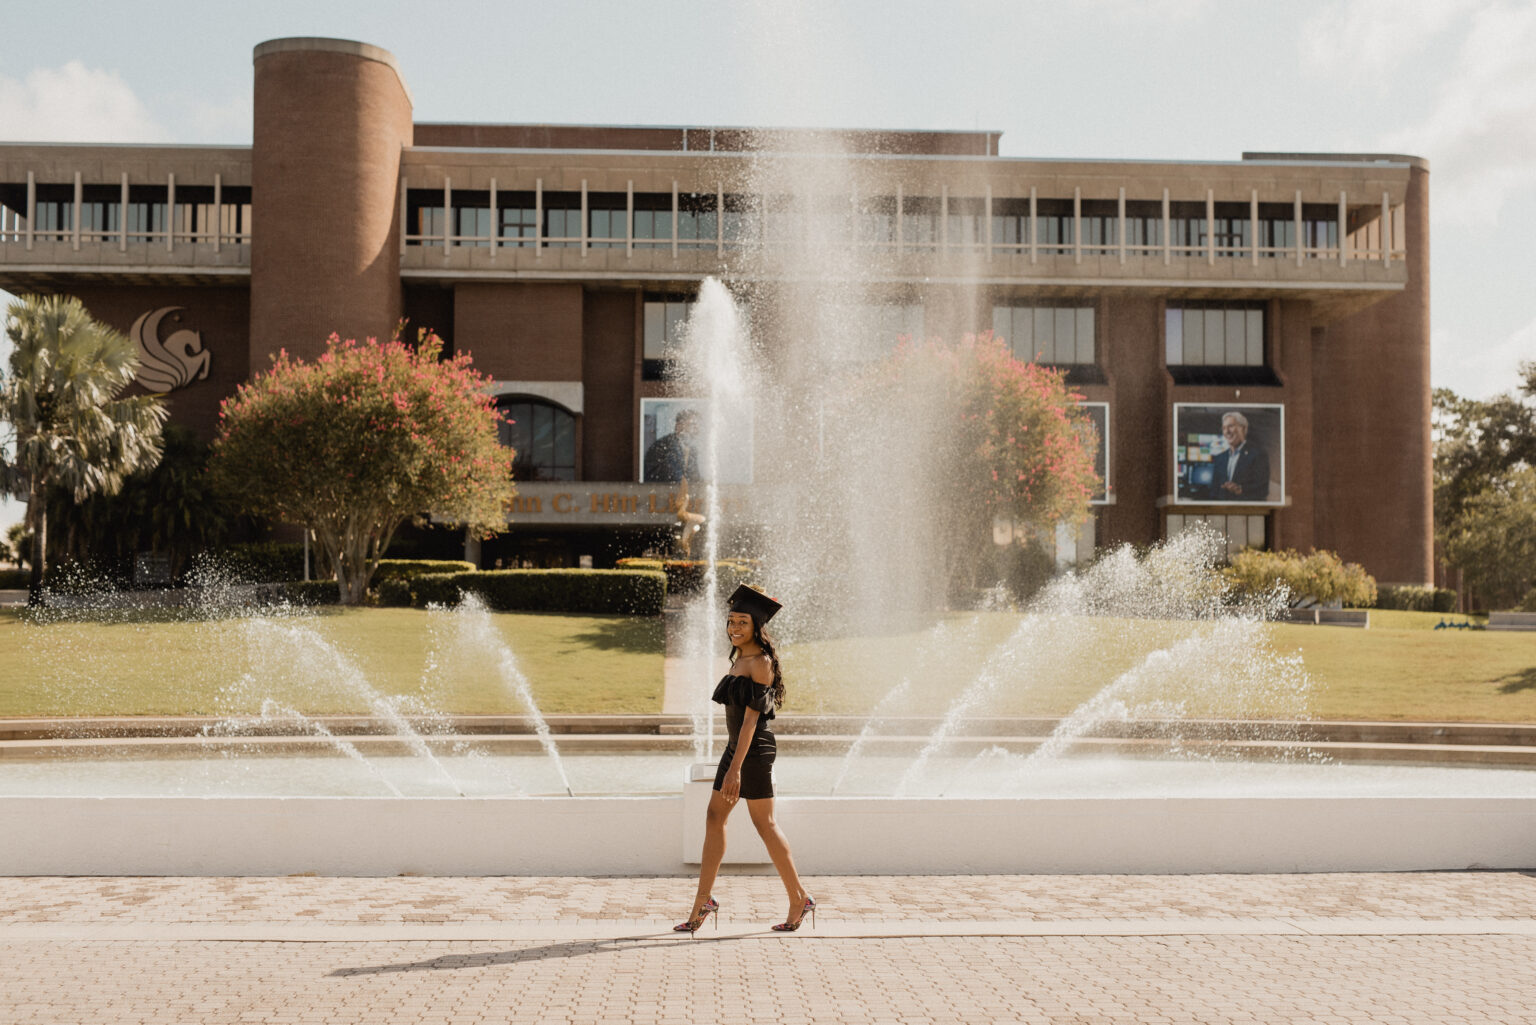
750, 692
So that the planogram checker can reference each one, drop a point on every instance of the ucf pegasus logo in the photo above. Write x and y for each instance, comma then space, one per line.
170, 364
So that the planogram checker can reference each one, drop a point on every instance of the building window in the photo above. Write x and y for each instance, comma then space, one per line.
1010, 224
1055, 227
562, 220
1240, 531
966, 224
1215, 334
1101, 226
606, 213
919, 223
665, 319
1055, 335
542, 436
1144, 227
519, 223
697, 220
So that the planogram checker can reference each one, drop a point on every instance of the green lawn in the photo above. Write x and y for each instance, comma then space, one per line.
1398, 669
312, 663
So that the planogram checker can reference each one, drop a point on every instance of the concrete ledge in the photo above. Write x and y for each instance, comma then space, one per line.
1512, 620
646, 835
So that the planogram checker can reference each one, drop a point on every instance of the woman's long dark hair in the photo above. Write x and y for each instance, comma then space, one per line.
766, 643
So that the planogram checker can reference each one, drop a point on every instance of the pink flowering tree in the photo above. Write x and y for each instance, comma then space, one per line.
359, 441
1010, 439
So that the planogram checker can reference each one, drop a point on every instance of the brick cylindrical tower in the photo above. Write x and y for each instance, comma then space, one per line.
331, 119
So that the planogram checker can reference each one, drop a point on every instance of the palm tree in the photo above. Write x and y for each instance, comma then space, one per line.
61, 399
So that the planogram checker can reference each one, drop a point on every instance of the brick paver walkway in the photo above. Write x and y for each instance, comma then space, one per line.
1389, 948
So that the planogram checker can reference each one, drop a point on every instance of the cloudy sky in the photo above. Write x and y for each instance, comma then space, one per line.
1450, 80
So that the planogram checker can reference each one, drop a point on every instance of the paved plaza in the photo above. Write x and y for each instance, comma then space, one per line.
1391, 948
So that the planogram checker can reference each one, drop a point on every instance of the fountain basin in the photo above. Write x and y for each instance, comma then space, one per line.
219, 836
282, 815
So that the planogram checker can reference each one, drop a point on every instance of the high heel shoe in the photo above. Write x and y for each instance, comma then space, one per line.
692, 925
809, 908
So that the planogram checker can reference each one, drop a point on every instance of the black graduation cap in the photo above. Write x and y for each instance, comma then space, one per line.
755, 602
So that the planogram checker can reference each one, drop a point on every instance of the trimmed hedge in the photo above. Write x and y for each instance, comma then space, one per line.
631, 592
1416, 599
390, 569
311, 592
265, 562
685, 576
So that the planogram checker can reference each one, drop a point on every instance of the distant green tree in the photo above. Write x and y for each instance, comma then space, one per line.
361, 440
70, 427
1493, 541
1483, 449
171, 509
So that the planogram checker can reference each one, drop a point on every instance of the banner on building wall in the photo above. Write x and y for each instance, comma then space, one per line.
1228, 454
675, 439
1098, 417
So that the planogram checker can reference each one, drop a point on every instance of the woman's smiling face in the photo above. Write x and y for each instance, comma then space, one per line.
738, 629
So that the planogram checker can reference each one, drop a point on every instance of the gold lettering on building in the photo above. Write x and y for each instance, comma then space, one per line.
562, 503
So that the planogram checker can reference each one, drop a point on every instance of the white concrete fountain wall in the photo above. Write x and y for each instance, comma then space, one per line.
843, 835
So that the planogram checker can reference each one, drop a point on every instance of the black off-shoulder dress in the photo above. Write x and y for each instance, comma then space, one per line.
737, 694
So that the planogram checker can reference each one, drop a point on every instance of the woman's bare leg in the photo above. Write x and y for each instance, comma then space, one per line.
714, 848
778, 849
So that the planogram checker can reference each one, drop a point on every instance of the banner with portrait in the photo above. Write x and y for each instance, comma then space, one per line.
1231, 454
675, 438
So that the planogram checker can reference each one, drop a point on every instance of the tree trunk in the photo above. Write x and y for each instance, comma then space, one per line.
37, 512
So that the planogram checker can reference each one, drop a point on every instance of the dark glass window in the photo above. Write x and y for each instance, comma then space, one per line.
562, 219
1054, 226
542, 436
697, 219
605, 219
517, 223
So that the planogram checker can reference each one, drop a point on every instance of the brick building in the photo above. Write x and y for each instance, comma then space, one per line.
1290, 288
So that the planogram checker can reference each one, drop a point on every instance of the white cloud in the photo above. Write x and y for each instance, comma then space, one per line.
1360, 41
1476, 369
74, 103
1480, 136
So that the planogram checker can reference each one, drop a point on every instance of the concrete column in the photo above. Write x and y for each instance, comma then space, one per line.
1343, 227
675, 208
1034, 229
1386, 231
122, 216
1120, 232
218, 210
79, 209
31, 207
447, 214
495, 226
1253, 226
583, 217
331, 119
987, 217
1210, 226
719, 211
1301, 243
538, 218
900, 241
170, 212
629, 220
1167, 228
943, 217
1077, 225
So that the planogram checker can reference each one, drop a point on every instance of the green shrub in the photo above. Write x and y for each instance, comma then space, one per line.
15, 579
265, 562
394, 591
394, 568
633, 592
1416, 599
1321, 576
1528, 603
311, 592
